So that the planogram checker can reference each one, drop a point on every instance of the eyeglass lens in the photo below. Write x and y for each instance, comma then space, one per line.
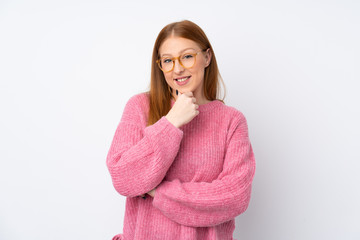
186, 60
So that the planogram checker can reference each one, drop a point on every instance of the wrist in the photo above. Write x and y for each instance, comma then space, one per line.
172, 121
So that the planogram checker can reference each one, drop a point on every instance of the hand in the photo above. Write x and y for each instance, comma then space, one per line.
183, 110
152, 192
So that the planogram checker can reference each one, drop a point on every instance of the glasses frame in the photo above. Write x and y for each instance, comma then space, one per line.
178, 58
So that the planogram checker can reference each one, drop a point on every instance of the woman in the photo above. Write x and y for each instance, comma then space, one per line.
181, 157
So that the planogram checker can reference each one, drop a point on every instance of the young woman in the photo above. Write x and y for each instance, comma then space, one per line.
181, 157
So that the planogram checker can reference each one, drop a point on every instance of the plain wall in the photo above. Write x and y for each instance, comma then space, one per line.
67, 68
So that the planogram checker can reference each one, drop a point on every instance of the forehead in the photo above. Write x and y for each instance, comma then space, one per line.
176, 45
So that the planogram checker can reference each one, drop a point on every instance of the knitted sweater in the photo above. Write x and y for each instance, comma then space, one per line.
202, 172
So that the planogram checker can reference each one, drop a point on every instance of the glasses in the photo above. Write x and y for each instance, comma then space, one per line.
186, 60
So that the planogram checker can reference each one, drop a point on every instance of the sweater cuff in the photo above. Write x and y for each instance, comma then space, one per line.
163, 126
164, 136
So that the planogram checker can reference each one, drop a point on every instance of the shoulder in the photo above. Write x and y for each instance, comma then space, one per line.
137, 108
139, 100
138, 103
232, 114
233, 120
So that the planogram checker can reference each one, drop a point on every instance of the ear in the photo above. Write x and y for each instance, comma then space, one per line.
208, 56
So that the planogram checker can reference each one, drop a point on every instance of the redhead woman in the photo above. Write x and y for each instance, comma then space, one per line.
180, 156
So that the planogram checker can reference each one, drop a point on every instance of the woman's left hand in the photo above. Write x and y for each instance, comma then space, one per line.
152, 192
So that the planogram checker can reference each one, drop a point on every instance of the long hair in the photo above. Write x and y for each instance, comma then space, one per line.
160, 93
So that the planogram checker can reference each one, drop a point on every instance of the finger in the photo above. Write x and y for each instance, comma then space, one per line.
178, 93
194, 100
196, 106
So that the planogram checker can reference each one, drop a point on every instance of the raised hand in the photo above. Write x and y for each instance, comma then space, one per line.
183, 110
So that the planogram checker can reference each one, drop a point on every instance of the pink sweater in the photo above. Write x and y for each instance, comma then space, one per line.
202, 172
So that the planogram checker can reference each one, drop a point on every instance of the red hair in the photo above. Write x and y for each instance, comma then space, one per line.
160, 93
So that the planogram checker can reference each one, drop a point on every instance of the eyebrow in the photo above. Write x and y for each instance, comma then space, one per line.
179, 52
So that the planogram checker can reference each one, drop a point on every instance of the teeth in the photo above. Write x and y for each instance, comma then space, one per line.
182, 79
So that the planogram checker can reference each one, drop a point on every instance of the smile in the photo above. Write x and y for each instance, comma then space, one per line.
182, 81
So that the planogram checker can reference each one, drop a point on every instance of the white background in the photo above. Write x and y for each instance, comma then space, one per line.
67, 69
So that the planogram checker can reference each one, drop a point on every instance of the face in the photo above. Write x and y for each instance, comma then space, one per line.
185, 79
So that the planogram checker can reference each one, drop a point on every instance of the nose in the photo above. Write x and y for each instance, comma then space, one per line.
178, 68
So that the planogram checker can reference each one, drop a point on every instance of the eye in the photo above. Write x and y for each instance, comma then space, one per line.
166, 60
187, 56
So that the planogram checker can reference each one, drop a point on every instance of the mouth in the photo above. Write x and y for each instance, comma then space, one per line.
182, 80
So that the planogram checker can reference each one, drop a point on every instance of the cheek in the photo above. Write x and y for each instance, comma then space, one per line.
198, 70
168, 78
199, 67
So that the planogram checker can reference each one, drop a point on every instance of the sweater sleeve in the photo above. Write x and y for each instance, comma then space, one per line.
204, 204
139, 156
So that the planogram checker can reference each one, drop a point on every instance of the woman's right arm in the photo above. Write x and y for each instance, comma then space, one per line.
139, 157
